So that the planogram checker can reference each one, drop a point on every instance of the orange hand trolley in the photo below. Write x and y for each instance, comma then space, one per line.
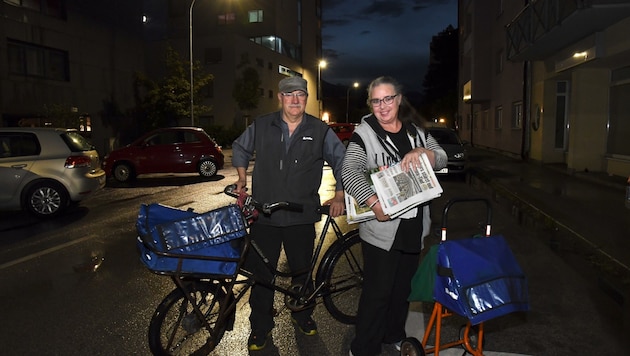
501, 288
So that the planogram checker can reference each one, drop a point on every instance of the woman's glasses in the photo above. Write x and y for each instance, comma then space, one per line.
388, 100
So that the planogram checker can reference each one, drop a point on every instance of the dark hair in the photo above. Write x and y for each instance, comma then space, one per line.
406, 112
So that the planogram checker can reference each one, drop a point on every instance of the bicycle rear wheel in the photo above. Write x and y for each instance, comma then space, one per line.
176, 329
344, 279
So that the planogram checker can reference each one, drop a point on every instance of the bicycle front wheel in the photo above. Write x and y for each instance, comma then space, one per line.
177, 329
344, 279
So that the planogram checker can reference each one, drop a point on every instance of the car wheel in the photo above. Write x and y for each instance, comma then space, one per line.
207, 168
123, 172
46, 199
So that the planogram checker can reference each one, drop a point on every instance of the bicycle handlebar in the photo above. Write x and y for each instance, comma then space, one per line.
266, 208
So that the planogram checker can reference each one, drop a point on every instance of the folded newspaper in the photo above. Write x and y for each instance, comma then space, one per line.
398, 191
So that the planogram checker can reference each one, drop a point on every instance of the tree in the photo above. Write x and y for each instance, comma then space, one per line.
167, 101
246, 87
440, 81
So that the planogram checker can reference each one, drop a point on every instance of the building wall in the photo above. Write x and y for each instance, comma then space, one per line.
495, 82
583, 138
299, 25
104, 46
107, 44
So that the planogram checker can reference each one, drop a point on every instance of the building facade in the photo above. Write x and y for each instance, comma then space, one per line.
83, 56
548, 80
276, 38
68, 56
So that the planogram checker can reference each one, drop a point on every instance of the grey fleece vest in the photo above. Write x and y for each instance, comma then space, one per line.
374, 232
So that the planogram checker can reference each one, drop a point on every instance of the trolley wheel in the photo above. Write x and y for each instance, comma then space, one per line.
473, 337
411, 347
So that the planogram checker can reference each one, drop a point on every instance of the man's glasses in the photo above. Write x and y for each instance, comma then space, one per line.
388, 100
297, 94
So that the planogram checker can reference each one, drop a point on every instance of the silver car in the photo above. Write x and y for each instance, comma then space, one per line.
44, 170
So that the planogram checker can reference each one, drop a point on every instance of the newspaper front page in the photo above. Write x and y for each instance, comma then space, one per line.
398, 191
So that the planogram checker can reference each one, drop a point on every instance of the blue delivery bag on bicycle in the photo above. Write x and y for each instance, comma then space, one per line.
173, 241
479, 278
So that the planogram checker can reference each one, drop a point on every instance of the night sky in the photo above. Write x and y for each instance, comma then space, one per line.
365, 39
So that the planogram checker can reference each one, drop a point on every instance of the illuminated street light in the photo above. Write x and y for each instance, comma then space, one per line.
355, 85
322, 64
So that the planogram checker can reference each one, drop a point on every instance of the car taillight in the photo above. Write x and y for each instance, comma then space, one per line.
78, 161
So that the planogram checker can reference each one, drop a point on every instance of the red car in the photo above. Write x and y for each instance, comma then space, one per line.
167, 150
343, 130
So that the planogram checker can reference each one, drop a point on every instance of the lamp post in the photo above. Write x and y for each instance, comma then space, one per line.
322, 64
190, 39
355, 85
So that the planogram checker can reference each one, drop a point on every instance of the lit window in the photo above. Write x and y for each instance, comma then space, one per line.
255, 16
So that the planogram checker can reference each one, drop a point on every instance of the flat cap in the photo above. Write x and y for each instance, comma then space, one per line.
291, 84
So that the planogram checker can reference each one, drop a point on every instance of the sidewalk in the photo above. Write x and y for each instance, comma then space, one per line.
581, 215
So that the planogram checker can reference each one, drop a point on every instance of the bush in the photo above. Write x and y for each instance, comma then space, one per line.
224, 137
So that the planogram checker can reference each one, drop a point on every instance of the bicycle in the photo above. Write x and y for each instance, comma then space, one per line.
193, 318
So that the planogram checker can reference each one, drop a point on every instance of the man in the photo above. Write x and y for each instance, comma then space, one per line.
291, 147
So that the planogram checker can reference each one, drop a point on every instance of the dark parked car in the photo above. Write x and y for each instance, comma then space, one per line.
454, 147
344, 131
44, 170
166, 150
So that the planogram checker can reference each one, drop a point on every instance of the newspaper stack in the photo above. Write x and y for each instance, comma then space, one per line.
398, 191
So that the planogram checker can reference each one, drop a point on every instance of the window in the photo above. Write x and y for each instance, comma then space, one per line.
517, 115
619, 108
37, 61
255, 16
18, 145
498, 117
560, 133
499, 62
226, 19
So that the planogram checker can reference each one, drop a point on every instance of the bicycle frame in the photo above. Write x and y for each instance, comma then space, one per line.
334, 274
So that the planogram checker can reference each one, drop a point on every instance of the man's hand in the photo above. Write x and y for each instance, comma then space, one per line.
337, 204
241, 183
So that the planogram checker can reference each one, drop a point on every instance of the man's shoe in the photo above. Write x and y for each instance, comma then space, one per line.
257, 340
307, 327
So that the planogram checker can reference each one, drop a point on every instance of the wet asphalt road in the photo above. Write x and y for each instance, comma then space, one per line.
53, 302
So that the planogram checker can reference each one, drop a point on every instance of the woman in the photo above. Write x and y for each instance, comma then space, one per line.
391, 247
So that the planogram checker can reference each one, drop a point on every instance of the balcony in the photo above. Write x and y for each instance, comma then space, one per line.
546, 26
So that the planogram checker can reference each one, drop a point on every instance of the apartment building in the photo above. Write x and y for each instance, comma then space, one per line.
548, 80
277, 38
83, 55
69, 55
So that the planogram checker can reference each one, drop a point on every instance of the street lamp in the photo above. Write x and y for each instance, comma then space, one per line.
190, 39
355, 85
322, 64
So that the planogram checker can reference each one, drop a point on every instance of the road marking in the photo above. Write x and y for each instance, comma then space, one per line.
45, 252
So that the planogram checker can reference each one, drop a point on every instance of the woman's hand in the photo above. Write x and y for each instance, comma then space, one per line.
412, 159
375, 204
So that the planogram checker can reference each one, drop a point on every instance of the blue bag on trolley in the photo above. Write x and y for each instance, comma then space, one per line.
479, 278
191, 238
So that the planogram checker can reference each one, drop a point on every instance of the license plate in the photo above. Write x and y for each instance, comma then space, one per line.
442, 171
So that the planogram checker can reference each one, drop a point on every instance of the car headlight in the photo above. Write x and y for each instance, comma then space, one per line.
460, 155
